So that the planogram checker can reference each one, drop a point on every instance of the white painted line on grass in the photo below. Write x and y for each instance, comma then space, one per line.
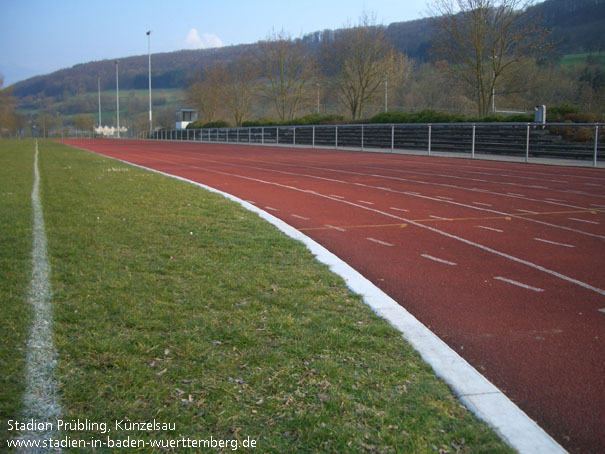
40, 399
474, 390
300, 217
518, 284
335, 228
435, 259
489, 228
553, 242
380, 242
584, 220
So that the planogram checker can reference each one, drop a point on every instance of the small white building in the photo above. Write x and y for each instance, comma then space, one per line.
184, 117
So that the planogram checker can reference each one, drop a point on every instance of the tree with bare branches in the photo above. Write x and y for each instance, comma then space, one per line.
364, 60
289, 72
241, 87
485, 40
205, 91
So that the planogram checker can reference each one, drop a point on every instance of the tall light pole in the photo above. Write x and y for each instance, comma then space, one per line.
317, 98
99, 88
117, 100
149, 52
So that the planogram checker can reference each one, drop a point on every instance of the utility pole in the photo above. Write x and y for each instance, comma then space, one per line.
117, 100
149, 52
99, 89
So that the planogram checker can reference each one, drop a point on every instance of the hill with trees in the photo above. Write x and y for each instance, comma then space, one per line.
576, 28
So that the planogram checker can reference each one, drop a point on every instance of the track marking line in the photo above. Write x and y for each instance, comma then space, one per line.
399, 209
300, 217
553, 242
40, 398
525, 211
405, 220
383, 243
443, 197
439, 218
554, 200
435, 259
366, 202
250, 201
271, 209
332, 227
337, 196
584, 220
515, 194
489, 228
519, 284
483, 204
602, 310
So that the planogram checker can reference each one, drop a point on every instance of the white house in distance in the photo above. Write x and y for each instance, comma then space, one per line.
184, 117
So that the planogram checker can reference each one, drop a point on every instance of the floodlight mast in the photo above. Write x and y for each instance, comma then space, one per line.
117, 100
149, 52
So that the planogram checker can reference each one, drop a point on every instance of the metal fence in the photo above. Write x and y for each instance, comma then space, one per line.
525, 140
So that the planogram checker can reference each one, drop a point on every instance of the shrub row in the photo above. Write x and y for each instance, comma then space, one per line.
564, 113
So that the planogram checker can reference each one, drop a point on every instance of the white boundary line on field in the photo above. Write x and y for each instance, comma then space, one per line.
40, 400
479, 395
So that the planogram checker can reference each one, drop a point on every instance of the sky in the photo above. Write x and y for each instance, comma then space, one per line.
41, 36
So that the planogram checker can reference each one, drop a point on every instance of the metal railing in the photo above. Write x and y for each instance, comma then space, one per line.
524, 140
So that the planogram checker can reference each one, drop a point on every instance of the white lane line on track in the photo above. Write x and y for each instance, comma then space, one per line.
482, 204
436, 259
519, 284
584, 220
484, 399
393, 216
40, 398
366, 202
443, 197
417, 194
514, 194
340, 229
399, 209
271, 209
438, 217
489, 228
525, 211
337, 196
383, 243
553, 242
300, 217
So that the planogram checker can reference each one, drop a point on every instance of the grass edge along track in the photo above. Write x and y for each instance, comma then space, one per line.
173, 304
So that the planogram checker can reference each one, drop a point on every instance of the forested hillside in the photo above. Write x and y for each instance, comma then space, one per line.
577, 27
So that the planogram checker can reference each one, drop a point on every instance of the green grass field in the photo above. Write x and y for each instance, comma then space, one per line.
581, 59
174, 304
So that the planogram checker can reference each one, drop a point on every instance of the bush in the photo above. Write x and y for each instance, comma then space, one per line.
557, 114
209, 125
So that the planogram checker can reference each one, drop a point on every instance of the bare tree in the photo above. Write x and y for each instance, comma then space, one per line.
8, 117
483, 40
289, 72
205, 91
241, 87
363, 60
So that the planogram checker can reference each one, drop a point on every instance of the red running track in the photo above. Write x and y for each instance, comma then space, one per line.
505, 262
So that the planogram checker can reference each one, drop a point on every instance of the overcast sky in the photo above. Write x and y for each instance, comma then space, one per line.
41, 36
